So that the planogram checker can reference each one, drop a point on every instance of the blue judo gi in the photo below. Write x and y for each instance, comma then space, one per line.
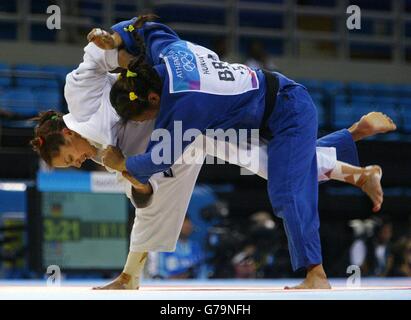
201, 92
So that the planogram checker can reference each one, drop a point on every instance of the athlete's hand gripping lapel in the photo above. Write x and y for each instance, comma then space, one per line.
113, 158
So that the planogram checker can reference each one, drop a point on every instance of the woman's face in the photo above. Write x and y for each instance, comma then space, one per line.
74, 152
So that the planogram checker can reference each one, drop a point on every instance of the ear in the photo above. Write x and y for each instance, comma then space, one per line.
66, 132
153, 98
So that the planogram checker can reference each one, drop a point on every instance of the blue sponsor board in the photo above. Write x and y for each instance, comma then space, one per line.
64, 181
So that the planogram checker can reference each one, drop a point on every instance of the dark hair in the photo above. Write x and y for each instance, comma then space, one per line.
48, 136
143, 80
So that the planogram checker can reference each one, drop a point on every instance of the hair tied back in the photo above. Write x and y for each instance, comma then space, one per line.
133, 96
131, 74
130, 28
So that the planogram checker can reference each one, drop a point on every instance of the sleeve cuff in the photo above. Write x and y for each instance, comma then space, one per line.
107, 60
112, 59
131, 164
122, 29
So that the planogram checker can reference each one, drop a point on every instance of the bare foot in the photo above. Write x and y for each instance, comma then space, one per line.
370, 183
315, 279
123, 282
372, 124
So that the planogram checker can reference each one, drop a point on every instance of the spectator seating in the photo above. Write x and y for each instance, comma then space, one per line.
27, 89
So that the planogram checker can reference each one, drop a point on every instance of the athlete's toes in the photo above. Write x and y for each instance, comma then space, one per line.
378, 203
393, 125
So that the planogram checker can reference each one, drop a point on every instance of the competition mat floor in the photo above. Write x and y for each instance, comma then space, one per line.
370, 289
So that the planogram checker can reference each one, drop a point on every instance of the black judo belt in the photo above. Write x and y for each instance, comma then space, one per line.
272, 86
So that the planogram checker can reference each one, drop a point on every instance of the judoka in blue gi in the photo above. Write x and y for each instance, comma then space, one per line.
176, 81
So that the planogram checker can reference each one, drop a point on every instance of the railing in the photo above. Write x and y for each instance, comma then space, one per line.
291, 34
77, 18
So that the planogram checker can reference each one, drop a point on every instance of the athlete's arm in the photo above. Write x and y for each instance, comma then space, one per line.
86, 85
138, 188
113, 158
156, 37
141, 194
107, 41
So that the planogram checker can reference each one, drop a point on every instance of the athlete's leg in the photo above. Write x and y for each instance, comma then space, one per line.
344, 144
292, 181
371, 124
368, 179
344, 140
130, 277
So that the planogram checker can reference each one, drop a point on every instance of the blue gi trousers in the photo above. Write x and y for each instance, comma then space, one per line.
344, 144
292, 173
